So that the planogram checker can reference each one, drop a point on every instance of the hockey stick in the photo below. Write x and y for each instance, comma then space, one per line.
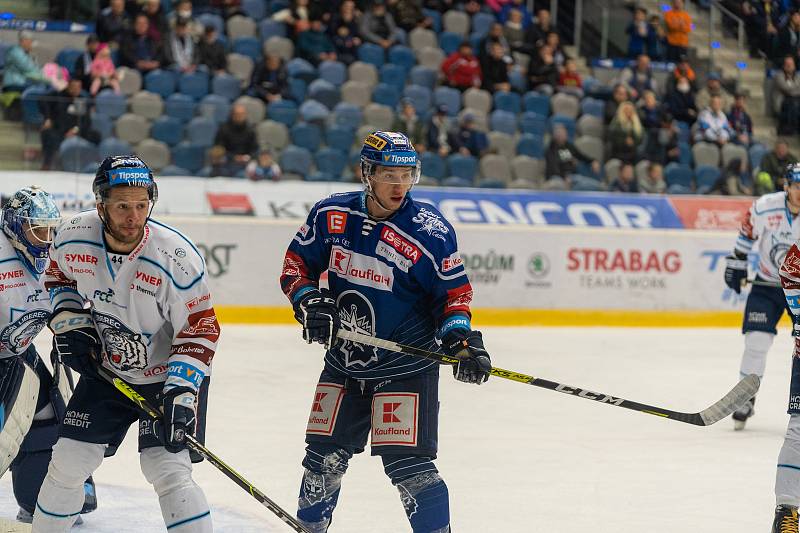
195, 445
738, 395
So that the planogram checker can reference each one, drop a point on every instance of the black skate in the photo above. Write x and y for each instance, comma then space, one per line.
746, 411
785, 519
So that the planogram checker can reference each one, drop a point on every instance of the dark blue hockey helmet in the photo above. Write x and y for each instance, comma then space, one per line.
123, 171
389, 149
791, 174
30, 218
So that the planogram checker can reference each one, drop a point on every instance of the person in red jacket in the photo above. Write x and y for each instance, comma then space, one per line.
462, 69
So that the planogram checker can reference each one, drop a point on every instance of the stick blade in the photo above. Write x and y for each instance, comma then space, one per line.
736, 398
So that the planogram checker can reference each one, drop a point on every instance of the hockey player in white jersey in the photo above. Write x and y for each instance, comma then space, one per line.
130, 294
771, 224
31, 404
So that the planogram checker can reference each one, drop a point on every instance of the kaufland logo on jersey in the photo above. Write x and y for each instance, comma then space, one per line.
400, 244
361, 269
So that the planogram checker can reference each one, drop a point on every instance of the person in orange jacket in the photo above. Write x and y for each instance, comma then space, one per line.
679, 26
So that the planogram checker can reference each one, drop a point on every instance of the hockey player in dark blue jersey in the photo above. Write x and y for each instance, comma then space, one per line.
393, 272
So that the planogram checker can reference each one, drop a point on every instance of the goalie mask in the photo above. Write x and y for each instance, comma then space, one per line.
30, 219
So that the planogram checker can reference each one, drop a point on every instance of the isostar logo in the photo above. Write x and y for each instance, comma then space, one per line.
12, 274
361, 269
388, 412
316, 407
155, 281
194, 302
400, 244
400, 159
80, 258
451, 262
337, 221
601, 260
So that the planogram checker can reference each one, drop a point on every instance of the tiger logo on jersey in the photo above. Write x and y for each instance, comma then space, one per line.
356, 314
17, 336
125, 350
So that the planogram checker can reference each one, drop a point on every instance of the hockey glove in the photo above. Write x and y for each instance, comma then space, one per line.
317, 313
76, 342
735, 271
178, 404
474, 365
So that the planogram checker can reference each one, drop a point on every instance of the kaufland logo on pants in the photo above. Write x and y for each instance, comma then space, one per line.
395, 418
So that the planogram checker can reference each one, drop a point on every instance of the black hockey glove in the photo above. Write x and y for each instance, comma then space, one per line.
735, 271
317, 313
475, 364
76, 342
178, 404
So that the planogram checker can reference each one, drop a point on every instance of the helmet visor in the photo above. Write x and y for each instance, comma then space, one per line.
396, 175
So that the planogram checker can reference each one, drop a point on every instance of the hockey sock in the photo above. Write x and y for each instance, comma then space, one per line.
787, 478
30, 466
422, 491
319, 492
61, 496
183, 503
754, 358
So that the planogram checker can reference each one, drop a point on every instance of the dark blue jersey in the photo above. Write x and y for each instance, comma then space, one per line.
400, 279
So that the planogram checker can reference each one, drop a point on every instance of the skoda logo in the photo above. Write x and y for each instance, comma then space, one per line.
75, 220
538, 265
180, 252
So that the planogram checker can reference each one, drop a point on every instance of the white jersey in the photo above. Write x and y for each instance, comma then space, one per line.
24, 305
152, 307
770, 223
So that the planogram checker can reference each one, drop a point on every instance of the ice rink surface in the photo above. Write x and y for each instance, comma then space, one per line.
516, 458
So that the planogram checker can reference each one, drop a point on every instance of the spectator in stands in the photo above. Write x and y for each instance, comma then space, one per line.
740, 120
408, 14
440, 138
138, 50
346, 44
83, 65
734, 180
713, 125
713, 88
759, 27
158, 28
227, 8
409, 123
270, 79
516, 5
543, 72
649, 111
774, 162
653, 182
263, 167
569, 81
626, 180
103, 71
514, 32
211, 52
495, 35
684, 69
346, 16
562, 157
639, 78
619, 95
180, 51
495, 70
218, 162
297, 17
679, 26
788, 41
183, 10
657, 48
641, 34
66, 115
553, 40
625, 133
471, 7
377, 26
112, 23
680, 102
461, 68
663, 142
537, 33
314, 45
788, 84
238, 138
471, 141
21, 69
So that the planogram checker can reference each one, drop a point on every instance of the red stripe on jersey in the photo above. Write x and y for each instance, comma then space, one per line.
195, 351
459, 299
55, 278
747, 226
202, 324
295, 274
790, 269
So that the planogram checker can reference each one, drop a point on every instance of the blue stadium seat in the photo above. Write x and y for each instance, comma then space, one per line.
482, 23
255, 9
433, 165
161, 82
31, 100
449, 42
393, 75
586, 184
421, 97
503, 121
76, 153
174, 170
103, 124
463, 166
684, 131
456, 181
492, 184
295, 160
706, 176
107, 102
305, 135
678, 174
530, 122
283, 111
201, 131
339, 138
685, 157
436, 17
507, 101
180, 106
402, 55
347, 115
297, 89
313, 111
518, 81
593, 106
449, 97
334, 72
189, 156
322, 176
215, 107
531, 145
386, 94
112, 146
372, 54
331, 161
167, 129
424, 76
271, 28
247, 46
194, 84
324, 92
756, 153
278, 5
67, 58
298, 67
210, 19
537, 102
567, 122
226, 85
